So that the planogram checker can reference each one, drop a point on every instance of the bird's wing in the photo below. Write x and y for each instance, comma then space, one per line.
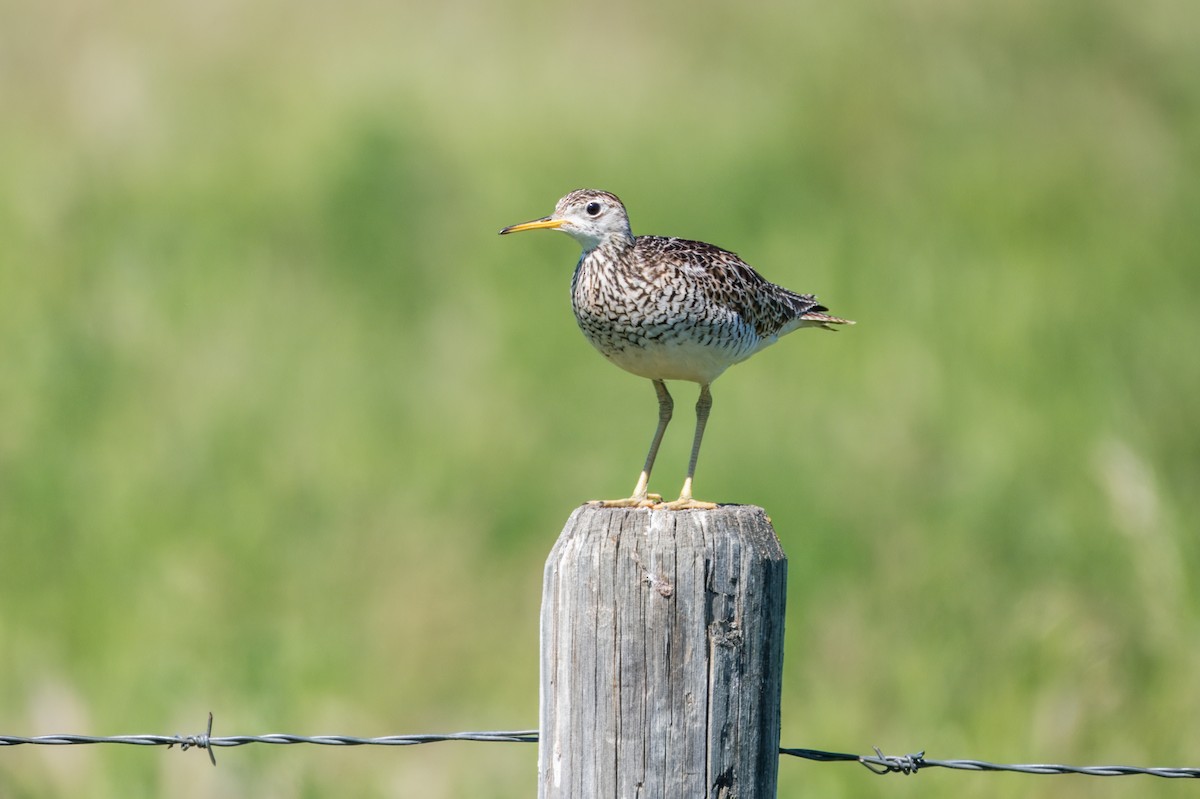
726, 280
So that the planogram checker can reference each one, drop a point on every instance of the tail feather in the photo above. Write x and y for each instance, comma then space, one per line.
824, 320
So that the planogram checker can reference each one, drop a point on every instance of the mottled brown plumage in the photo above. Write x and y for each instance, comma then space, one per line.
669, 309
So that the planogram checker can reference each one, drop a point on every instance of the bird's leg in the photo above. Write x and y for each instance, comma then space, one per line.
685, 501
640, 498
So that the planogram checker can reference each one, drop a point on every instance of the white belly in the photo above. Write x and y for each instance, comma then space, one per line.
681, 359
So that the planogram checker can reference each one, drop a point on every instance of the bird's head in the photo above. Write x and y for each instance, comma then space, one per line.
591, 217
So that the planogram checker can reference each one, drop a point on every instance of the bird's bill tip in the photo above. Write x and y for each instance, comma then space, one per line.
545, 223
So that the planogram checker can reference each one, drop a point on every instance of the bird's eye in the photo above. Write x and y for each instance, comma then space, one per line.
593, 208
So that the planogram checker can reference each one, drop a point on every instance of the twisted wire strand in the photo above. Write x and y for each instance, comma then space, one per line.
879, 763
207, 741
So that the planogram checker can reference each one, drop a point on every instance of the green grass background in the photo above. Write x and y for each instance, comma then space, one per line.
287, 431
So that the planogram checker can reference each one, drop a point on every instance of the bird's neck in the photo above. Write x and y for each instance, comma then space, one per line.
609, 248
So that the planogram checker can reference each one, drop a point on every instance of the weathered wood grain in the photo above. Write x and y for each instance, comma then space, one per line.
662, 656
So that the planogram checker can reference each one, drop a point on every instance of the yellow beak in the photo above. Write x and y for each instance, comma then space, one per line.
546, 222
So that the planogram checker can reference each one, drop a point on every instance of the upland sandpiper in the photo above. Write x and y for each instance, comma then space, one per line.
669, 309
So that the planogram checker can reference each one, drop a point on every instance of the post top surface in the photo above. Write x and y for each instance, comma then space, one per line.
741, 525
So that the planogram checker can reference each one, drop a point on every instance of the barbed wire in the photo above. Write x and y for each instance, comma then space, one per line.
879, 763
207, 741
911, 764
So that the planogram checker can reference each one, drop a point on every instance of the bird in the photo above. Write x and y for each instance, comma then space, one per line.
668, 308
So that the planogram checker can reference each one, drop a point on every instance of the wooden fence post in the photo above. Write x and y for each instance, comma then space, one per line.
662, 656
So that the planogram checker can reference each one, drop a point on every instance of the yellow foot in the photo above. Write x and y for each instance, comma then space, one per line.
648, 501
686, 503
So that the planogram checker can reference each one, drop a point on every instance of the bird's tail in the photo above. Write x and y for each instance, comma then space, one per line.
824, 320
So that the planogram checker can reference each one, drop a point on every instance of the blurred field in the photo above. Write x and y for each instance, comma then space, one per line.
286, 430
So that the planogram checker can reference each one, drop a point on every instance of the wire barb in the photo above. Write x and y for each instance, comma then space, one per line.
200, 741
889, 764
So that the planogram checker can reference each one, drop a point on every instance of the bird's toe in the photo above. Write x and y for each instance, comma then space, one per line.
648, 501
686, 503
